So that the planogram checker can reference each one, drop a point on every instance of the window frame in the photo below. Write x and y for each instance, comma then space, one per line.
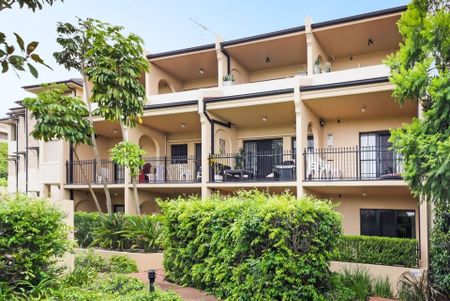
177, 159
413, 230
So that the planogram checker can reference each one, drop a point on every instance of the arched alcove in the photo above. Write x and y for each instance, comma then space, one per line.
85, 205
164, 87
222, 141
148, 145
310, 137
149, 207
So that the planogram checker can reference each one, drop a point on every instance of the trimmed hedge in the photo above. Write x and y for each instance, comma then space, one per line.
251, 246
377, 250
118, 232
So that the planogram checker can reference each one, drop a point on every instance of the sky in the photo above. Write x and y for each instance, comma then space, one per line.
164, 25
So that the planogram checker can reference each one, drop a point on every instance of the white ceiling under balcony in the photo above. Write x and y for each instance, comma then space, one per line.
268, 115
353, 38
191, 66
369, 105
188, 122
282, 52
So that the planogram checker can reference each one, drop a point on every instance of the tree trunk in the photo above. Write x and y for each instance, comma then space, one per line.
98, 169
133, 179
83, 174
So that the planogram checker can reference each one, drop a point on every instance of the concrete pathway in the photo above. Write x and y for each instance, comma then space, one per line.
186, 293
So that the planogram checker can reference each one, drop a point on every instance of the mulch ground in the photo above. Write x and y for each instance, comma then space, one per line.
186, 293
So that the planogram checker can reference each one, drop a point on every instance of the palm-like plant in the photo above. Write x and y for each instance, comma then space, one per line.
413, 287
108, 234
144, 232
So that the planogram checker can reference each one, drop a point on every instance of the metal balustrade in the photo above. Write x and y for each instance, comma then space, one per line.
113, 173
351, 163
253, 167
177, 169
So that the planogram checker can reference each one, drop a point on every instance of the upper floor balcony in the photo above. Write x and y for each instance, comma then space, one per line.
352, 164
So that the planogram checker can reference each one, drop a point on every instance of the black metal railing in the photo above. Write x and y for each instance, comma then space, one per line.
252, 167
113, 173
352, 163
179, 169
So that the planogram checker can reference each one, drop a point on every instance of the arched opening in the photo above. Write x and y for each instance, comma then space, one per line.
149, 207
85, 205
148, 145
309, 138
164, 87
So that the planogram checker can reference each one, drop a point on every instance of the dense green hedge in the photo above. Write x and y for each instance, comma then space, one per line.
377, 250
251, 246
33, 237
118, 232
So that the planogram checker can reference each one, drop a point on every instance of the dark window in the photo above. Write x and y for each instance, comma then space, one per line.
119, 208
390, 223
179, 153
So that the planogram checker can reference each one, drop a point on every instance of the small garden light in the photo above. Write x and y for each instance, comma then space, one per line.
151, 279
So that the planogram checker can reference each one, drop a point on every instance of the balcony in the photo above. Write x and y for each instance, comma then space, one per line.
85, 172
179, 169
253, 167
352, 164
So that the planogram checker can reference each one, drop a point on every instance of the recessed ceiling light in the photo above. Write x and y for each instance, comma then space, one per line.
363, 108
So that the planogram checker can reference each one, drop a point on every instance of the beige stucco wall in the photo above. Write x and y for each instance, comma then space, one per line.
346, 132
200, 83
357, 61
144, 261
274, 73
349, 206
377, 271
83, 200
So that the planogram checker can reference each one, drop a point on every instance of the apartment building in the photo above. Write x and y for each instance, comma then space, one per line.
306, 110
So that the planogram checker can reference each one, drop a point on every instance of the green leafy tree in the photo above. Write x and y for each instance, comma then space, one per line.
420, 72
3, 160
9, 57
129, 155
62, 117
119, 63
76, 42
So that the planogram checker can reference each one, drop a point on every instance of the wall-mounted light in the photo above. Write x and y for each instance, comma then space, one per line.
267, 59
183, 125
322, 122
264, 118
363, 108
202, 71
364, 194
369, 42
115, 131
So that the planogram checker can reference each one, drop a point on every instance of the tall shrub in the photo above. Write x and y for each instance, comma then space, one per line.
251, 246
33, 235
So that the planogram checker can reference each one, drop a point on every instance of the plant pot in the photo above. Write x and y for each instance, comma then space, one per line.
227, 83
317, 69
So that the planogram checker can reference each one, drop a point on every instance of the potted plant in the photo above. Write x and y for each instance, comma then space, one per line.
327, 67
239, 159
228, 80
317, 68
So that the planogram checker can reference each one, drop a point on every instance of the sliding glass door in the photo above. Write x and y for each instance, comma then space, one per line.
377, 158
262, 156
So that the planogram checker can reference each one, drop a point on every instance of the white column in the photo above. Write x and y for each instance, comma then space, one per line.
299, 138
309, 49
